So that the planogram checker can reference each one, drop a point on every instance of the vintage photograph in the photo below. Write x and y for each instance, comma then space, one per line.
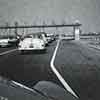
49, 49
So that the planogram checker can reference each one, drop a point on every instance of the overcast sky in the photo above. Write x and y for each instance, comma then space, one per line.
35, 11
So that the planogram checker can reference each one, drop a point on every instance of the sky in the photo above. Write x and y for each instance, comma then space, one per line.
37, 11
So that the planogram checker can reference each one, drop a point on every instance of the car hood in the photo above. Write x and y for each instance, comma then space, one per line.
43, 90
11, 91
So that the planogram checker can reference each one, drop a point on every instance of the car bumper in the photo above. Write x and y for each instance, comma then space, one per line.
29, 49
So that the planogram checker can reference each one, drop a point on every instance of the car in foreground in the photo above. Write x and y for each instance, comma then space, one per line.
43, 90
31, 42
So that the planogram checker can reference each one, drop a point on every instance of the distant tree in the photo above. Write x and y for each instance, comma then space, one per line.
53, 22
6, 30
16, 29
63, 22
77, 22
44, 23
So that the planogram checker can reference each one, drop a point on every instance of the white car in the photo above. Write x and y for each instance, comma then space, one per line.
50, 37
44, 37
4, 42
32, 42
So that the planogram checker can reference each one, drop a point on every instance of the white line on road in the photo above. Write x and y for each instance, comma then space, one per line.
64, 83
6, 52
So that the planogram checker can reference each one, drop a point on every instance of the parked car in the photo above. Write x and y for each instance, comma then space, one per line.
32, 42
50, 37
44, 36
8, 41
4, 42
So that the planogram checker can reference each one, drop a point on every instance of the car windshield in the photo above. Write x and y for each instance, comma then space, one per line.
34, 36
37, 36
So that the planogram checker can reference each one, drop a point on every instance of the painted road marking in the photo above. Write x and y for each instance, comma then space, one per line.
6, 52
61, 79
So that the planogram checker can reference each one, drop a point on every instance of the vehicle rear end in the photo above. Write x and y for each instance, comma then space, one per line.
31, 44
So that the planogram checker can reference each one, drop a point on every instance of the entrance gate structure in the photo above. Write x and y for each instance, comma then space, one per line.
75, 26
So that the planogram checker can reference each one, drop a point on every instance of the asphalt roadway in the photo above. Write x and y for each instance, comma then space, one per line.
80, 67
78, 64
28, 68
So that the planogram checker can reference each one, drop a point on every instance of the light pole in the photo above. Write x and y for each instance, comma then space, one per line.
16, 29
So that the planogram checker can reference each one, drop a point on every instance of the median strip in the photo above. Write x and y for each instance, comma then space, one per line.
6, 52
59, 76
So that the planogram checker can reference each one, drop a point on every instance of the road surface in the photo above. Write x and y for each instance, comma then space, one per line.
80, 67
78, 64
28, 68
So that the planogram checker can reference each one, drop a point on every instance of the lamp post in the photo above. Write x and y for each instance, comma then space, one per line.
16, 25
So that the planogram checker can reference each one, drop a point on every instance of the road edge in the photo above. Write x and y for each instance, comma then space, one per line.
61, 79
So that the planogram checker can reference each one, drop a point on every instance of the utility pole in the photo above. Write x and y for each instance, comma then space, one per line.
44, 27
16, 29
63, 23
53, 23
34, 23
7, 30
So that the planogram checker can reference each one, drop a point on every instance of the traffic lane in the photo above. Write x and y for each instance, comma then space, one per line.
29, 68
80, 67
